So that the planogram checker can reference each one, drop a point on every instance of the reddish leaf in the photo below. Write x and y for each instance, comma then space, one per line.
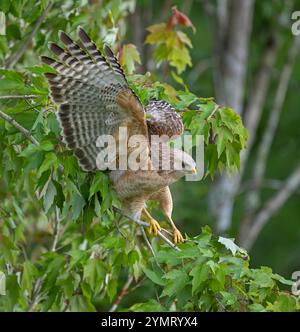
179, 18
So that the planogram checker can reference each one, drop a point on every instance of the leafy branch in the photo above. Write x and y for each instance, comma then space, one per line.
23, 130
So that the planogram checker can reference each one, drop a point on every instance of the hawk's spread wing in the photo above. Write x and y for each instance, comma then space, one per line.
93, 95
163, 120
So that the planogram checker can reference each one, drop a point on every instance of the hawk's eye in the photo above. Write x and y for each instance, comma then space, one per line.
182, 165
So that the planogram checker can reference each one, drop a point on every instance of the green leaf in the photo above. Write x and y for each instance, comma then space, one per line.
112, 288
77, 256
224, 138
211, 156
35, 161
176, 282
263, 278
28, 275
49, 162
256, 307
228, 299
99, 183
80, 303
12, 292
49, 196
78, 204
155, 277
133, 257
229, 244
9, 84
168, 257
200, 274
232, 156
282, 280
157, 34
4, 5
130, 56
150, 306
284, 303
47, 145
53, 269
94, 273
30, 150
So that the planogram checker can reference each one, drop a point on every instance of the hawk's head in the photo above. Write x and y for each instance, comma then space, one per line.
182, 163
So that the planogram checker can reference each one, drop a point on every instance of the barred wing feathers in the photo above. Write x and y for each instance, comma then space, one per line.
163, 119
93, 95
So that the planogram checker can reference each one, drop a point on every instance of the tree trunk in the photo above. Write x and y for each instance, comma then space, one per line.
232, 72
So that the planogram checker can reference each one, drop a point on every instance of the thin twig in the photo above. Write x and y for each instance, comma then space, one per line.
116, 222
23, 130
56, 229
213, 112
147, 241
123, 292
15, 57
149, 245
166, 231
282, 88
253, 196
271, 207
144, 224
257, 98
273, 184
19, 97
36, 296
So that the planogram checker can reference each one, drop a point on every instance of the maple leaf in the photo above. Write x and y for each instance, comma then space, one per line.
179, 18
128, 56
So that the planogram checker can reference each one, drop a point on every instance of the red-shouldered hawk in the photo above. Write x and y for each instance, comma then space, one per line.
95, 99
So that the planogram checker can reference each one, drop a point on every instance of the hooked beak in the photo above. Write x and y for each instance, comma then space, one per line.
194, 171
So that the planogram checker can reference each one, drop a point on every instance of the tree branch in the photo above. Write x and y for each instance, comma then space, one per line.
147, 241
35, 295
23, 130
123, 292
273, 184
19, 97
56, 230
284, 79
145, 224
14, 58
271, 207
252, 198
257, 98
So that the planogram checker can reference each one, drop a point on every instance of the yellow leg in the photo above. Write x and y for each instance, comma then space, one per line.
164, 198
154, 225
177, 236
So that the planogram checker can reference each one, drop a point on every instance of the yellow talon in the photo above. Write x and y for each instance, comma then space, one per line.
154, 227
177, 236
